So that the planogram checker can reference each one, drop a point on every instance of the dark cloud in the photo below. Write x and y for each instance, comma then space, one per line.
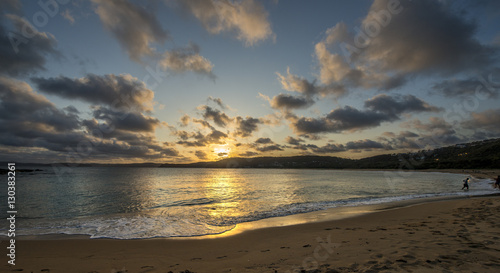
421, 38
293, 141
133, 26
269, 148
203, 123
217, 101
329, 148
118, 91
339, 120
443, 39
404, 140
248, 154
246, 126
187, 59
358, 145
408, 134
484, 87
298, 144
220, 118
365, 144
24, 50
285, 101
435, 133
199, 139
128, 121
200, 155
395, 105
487, 121
381, 108
23, 110
29, 121
10, 5
264, 140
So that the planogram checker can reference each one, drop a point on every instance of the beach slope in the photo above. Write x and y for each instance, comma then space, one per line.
446, 236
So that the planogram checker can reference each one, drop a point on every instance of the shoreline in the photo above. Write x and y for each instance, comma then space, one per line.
324, 215
443, 235
321, 215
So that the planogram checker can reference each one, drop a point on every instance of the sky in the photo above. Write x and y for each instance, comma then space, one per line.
179, 81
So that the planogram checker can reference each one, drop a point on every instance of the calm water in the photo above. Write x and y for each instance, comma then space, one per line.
131, 203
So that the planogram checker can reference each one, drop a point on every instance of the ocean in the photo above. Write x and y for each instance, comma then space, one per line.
134, 203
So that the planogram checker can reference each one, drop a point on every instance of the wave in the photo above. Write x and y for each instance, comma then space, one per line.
187, 221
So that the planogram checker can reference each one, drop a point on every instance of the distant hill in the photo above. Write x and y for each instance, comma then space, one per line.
475, 155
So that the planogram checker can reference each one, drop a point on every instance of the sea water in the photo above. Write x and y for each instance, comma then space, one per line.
131, 203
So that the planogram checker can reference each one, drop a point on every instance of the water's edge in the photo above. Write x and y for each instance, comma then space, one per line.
330, 214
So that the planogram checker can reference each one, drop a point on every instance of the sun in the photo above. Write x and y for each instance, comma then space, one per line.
222, 151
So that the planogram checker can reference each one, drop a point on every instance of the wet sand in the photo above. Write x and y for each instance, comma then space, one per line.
459, 235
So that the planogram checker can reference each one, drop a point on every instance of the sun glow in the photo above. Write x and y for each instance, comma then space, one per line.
222, 151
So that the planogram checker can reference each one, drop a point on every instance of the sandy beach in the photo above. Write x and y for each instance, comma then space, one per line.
460, 235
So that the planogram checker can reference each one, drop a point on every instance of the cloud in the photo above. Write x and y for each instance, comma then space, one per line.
246, 18
269, 148
397, 104
10, 5
118, 91
246, 126
329, 148
201, 155
285, 101
487, 121
293, 141
404, 140
333, 68
435, 133
298, 144
220, 118
381, 108
24, 50
365, 144
129, 121
28, 121
66, 14
264, 140
341, 119
428, 36
294, 83
471, 86
248, 154
22, 111
416, 38
218, 101
199, 139
133, 26
186, 59
203, 123
185, 120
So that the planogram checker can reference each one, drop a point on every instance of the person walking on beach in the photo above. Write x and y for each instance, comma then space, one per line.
497, 183
466, 184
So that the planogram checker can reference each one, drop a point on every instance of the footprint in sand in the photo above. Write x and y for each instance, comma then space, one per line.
147, 268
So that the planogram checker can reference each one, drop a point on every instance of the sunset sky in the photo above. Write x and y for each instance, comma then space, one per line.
195, 80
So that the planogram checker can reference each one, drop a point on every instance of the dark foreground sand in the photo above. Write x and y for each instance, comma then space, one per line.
445, 236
